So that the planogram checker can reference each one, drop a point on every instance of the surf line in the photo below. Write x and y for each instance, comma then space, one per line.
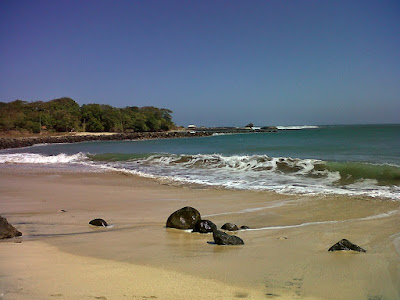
374, 217
248, 210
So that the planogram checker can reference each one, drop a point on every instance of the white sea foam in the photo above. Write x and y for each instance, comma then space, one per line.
248, 210
294, 226
221, 133
379, 216
373, 217
297, 127
245, 172
33, 158
256, 172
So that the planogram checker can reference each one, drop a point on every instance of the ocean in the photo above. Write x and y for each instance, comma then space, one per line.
348, 160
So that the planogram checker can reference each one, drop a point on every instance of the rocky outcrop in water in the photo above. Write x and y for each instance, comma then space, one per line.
230, 227
222, 238
98, 222
244, 227
346, 245
204, 226
184, 218
6, 143
7, 230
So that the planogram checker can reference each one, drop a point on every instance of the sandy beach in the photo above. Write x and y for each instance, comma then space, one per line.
285, 254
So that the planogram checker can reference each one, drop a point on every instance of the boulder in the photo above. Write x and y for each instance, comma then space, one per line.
222, 238
184, 218
244, 227
204, 226
230, 227
346, 245
7, 230
98, 222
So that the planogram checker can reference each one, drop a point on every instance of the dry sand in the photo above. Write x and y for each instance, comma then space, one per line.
285, 257
36, 270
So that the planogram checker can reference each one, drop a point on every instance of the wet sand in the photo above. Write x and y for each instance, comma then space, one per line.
285, 254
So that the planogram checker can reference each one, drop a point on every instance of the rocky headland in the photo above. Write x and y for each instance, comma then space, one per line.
19, 142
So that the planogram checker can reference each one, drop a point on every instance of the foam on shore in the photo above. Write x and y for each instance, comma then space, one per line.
250, 172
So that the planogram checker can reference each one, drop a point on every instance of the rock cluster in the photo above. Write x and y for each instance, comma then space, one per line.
7, 230
190, 218
25, 142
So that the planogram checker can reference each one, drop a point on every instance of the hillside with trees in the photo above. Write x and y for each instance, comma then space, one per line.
65, 115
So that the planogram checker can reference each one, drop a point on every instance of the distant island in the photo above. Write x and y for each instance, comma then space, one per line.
65, 115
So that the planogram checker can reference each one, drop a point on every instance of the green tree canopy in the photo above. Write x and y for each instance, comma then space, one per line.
64, 114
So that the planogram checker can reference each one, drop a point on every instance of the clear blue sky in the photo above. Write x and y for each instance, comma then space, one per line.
211, 62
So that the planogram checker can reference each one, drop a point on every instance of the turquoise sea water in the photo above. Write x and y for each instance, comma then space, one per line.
350, 160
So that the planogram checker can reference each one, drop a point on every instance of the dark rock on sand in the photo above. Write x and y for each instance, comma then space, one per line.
7, 230
346, 245
204, 226
244, 227
98, 222
230, 227
222, 238
184, 218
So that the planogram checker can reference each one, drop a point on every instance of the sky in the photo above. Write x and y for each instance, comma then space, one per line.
213, 63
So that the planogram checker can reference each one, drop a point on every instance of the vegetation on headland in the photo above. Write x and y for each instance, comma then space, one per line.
65, 115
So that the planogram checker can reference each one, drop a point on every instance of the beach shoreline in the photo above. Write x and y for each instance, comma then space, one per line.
284, 256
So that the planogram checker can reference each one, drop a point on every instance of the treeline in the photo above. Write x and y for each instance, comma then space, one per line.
65, 115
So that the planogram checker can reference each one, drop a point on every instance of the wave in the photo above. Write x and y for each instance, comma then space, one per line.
261, 172
221, 133
254, 172
342, 173
297, 127
116, 156
33, 158
350, 172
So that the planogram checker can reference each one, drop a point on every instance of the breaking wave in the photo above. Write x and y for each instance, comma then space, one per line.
261, 172
252, 172
297, 127
33, 158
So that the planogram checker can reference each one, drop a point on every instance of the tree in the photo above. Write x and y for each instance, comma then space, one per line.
64, 114
110, 118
